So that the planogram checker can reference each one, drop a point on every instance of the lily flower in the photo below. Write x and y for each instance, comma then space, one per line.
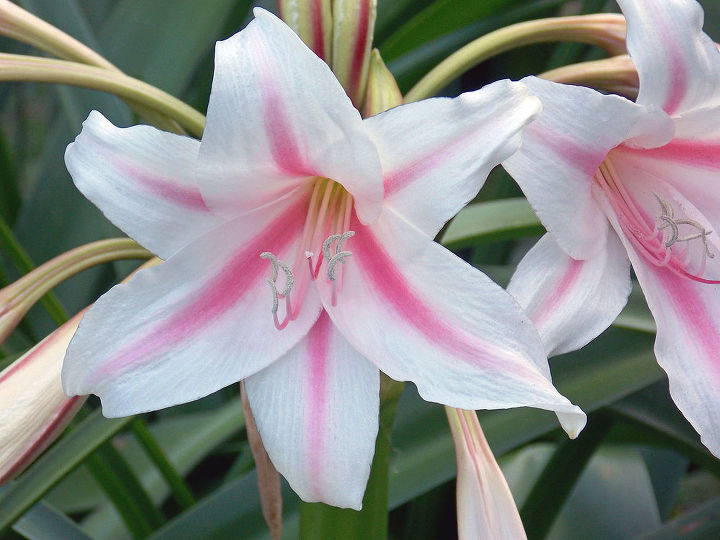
33, 408
299, 257
616, 181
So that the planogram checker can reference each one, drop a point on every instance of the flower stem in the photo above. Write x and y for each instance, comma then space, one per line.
24, 263
604, 30
14, 67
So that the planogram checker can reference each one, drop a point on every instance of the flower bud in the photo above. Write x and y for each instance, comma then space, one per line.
353, 26
33, 408
485, 506
312, 21
382, 90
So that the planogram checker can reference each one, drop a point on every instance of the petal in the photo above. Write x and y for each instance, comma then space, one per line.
317, 412
485, 505
437, 153
142, 179
33, 408
276, 116
569, 301
424, 315
687, 314
678, 64
194, 324
560, 153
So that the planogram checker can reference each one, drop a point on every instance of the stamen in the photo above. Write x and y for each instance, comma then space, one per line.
272, 282
335, 258
668, 219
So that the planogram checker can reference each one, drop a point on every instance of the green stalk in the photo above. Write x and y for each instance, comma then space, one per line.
14, 67
175, 482
321, 521
604, 30
24, 263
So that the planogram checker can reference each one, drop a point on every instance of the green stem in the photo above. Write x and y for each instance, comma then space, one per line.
31, 68
560, 475
177, 485
320, 521
603, 30
24, 264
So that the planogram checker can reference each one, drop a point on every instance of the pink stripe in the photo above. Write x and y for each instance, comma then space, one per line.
395, 292
677, 71
361, 42
556, 296
696, 321
316, 15
699, 154
163, 187
423, 165
316, 422
280, 131
567, 149
219, 294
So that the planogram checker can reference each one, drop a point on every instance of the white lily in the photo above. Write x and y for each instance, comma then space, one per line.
299, 257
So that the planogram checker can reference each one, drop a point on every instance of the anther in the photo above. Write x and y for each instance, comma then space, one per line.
272, 282
667, 218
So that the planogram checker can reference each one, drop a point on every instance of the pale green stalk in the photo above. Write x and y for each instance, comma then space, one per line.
17, 298
15, 67
603, 30
18, 24
617, 75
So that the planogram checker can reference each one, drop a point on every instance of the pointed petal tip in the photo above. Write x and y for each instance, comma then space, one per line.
573, 423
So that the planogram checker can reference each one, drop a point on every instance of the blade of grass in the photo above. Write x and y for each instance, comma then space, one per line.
177, 485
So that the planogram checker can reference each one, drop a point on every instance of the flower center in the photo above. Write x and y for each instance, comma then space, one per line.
325, 234
655, 228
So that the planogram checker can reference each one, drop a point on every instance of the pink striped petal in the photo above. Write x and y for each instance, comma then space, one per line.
33, 408
198, 322
570, 301
317, 412
563, 148
143, 181
678, 64
422, 314
276, 116
687, 314
437, 153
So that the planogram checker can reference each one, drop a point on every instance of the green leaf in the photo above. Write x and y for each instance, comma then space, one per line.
700, 524
186, 440
439, 18
560, 475
491, 221
161, 42
55, 464
42, 521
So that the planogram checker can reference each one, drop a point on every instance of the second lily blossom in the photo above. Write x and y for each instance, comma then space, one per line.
299, 257
614, 180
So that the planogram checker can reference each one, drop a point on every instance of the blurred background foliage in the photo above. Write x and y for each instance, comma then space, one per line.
637, 471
